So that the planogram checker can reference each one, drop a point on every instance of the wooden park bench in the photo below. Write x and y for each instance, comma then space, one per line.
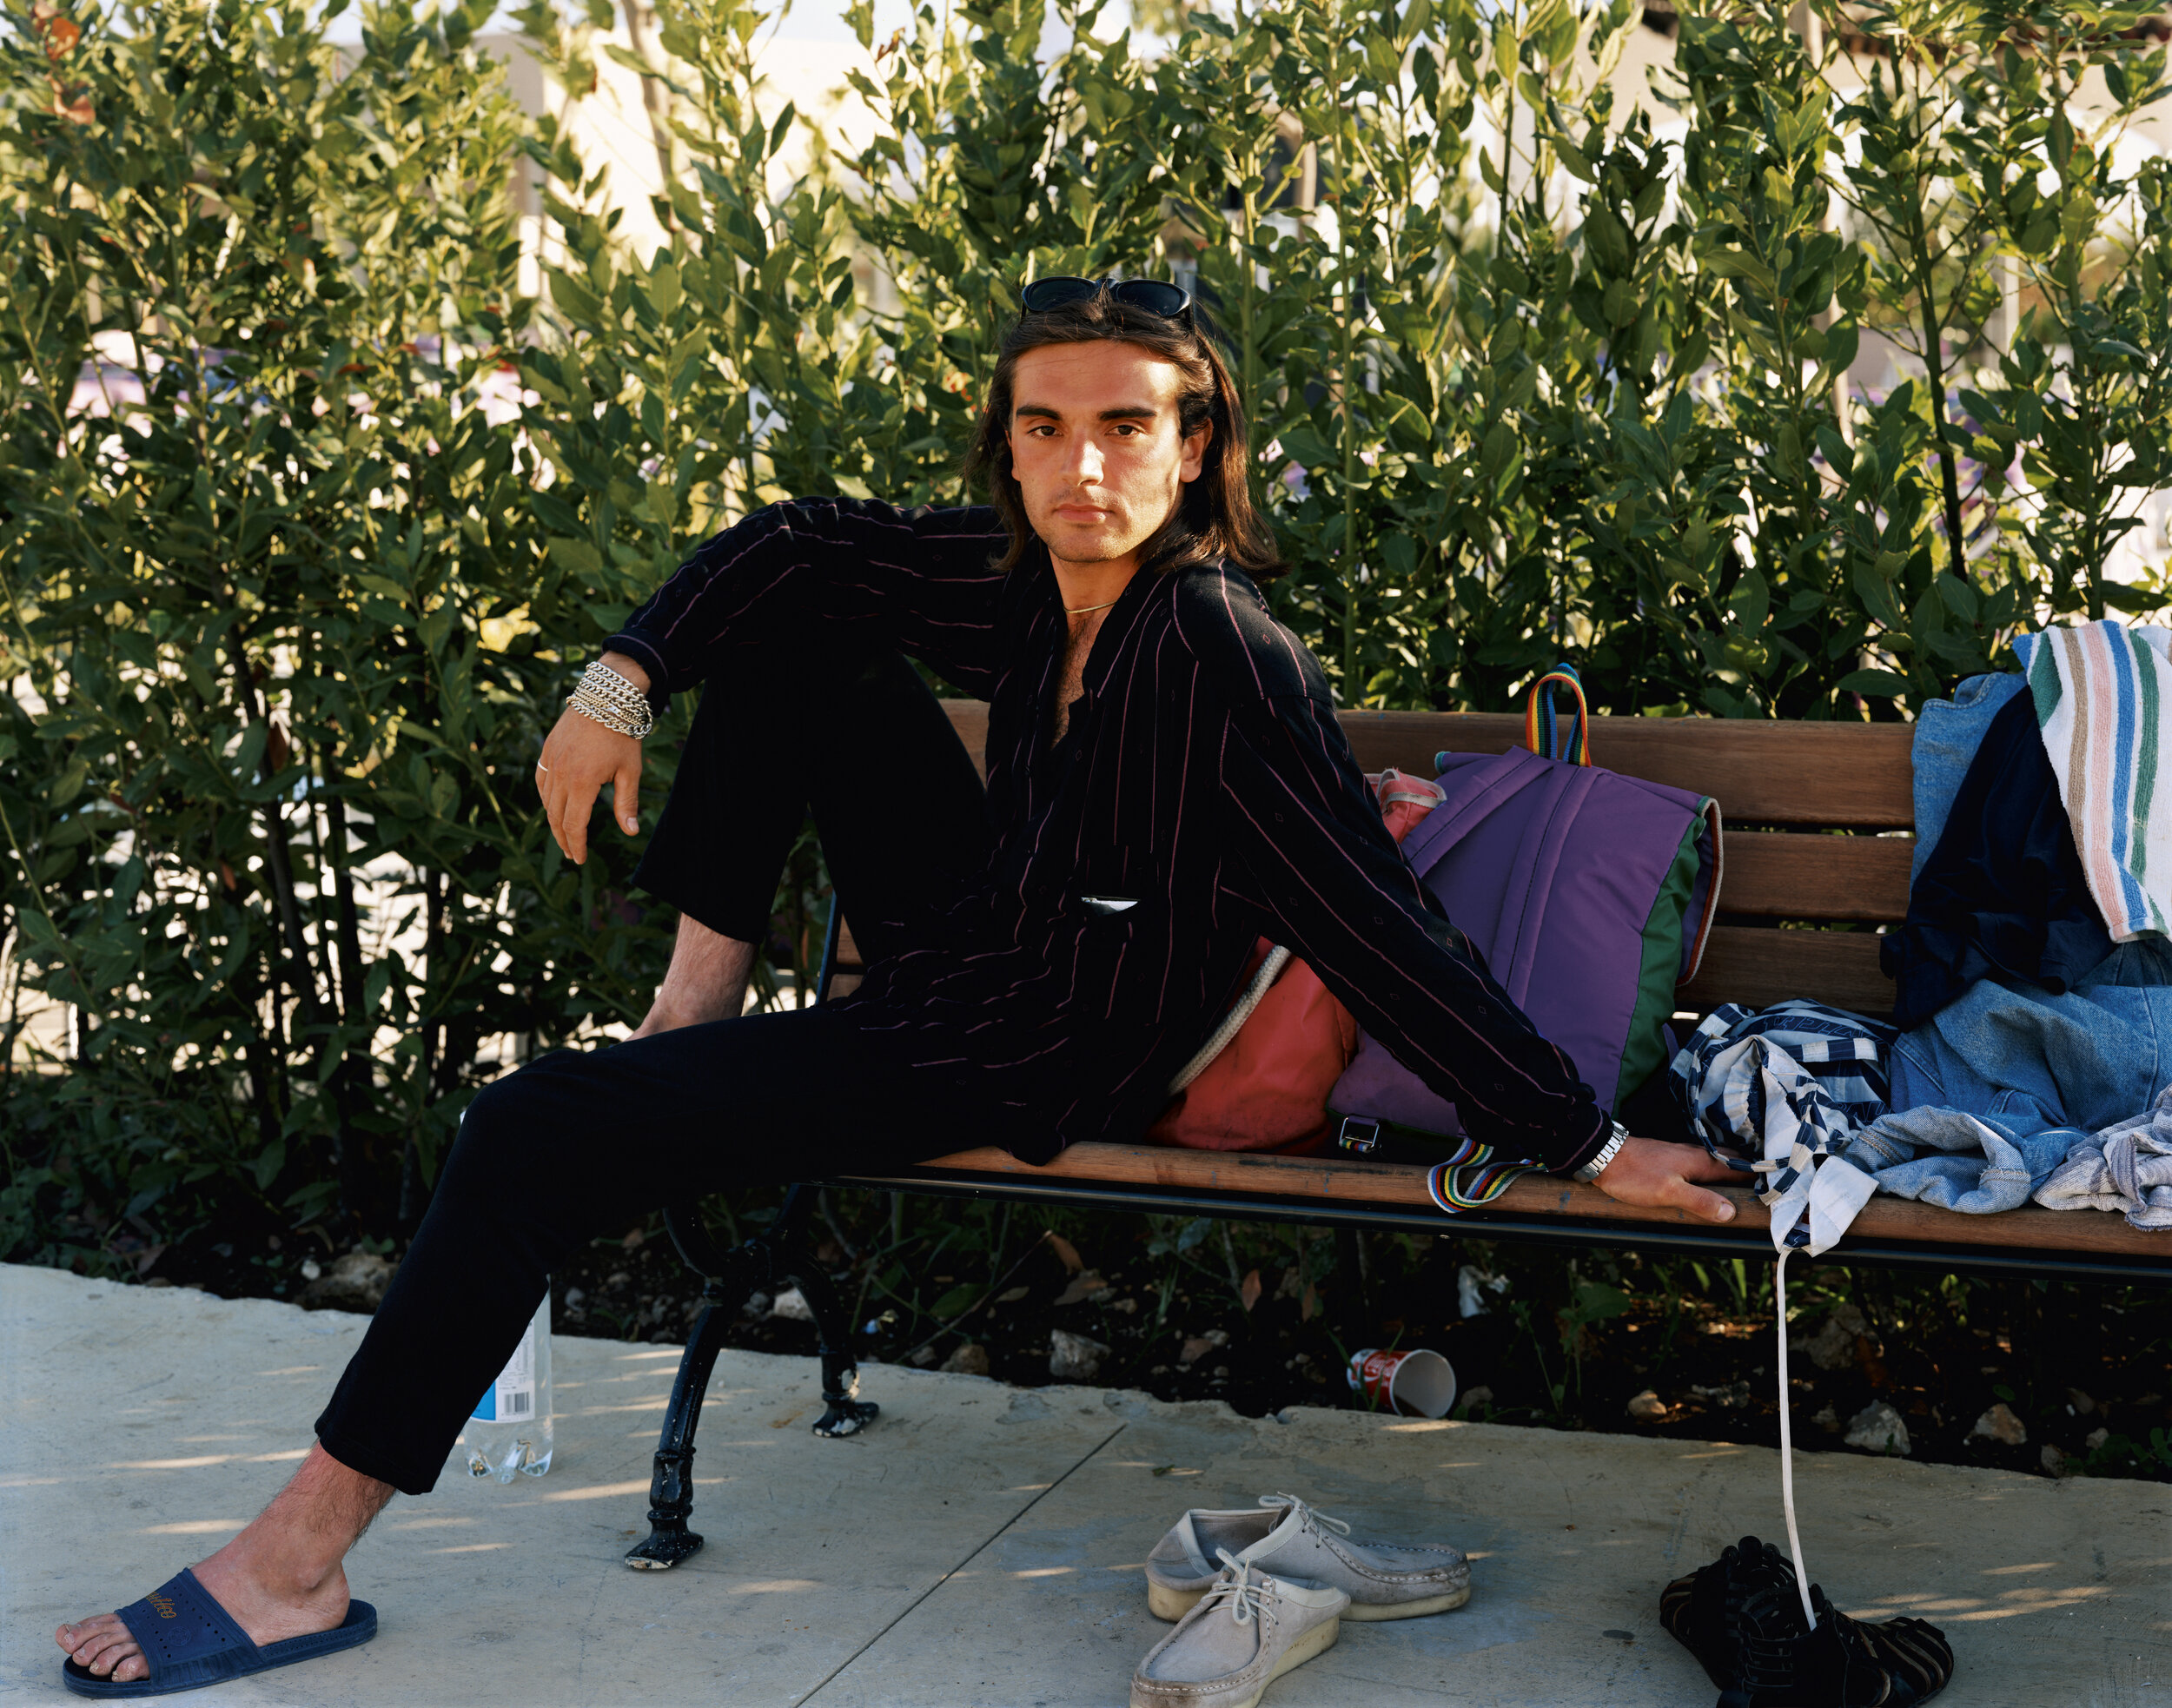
1819, 820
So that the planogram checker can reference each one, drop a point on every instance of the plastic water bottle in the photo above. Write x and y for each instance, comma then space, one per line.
509, 1434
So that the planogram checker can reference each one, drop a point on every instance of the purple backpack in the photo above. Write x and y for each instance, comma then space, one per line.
1590, 894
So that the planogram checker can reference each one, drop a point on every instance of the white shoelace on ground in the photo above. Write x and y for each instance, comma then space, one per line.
1249, 1597
1787, 1445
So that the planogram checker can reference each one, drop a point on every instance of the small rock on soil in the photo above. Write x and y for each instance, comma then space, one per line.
1878, 1428
1082, 1285
1832, 1347
1999, 1424
355, 1282
1732, 1395
1073, 1358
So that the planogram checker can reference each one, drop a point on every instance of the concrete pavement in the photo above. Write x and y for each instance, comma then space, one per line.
982, 1544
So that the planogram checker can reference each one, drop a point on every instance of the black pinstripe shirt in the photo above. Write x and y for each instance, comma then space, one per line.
1204, 775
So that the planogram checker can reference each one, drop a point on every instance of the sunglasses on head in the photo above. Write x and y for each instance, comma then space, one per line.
1169, 302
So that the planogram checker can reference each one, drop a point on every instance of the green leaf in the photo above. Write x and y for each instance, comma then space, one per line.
1837, 454
577, 557
1882, 683
1596, 1302
2134, 601
69, 784
579, 303
1306, 448
267, 1163
951, 1303
1750, 599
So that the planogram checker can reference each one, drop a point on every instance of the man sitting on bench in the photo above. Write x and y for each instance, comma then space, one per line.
1166, 782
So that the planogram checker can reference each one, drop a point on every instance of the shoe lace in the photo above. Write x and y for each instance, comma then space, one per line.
1308, 1514
1773, 1647
1248, 1597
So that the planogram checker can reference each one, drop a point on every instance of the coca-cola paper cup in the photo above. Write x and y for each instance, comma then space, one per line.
1418, 1381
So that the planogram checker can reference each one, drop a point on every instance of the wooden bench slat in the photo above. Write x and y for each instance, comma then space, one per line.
1349, 1180
1790, 875
1761, 773
1758, 968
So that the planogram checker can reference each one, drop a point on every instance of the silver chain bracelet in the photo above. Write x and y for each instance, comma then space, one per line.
611, 700
1605, 1154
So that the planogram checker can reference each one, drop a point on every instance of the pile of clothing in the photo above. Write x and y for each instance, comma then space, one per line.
2030, 1055
2030, 1052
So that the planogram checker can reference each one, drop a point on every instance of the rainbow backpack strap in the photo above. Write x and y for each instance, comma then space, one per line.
1541, 731
1471, 1177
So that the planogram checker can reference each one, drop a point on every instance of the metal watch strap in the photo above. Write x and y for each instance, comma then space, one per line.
1605, 1154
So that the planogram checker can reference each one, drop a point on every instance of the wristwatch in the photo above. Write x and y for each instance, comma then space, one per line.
1605, 1154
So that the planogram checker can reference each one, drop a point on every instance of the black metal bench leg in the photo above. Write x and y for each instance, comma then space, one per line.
844, 1414
769, 1260
672, 1485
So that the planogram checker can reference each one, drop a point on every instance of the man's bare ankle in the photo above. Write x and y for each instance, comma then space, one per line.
662, 1019
274, 1573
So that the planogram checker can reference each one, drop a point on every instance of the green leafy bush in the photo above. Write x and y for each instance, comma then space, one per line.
308, 511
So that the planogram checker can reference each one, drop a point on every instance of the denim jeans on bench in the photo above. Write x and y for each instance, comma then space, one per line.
580, 1143
1993, 1091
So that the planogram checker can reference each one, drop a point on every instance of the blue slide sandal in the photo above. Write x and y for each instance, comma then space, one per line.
191, 1641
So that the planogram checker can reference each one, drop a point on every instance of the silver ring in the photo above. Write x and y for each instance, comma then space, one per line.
540, 766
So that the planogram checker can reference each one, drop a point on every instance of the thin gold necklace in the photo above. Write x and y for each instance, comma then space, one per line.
1086, 610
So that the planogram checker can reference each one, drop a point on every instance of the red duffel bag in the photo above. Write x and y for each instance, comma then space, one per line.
1262, 1082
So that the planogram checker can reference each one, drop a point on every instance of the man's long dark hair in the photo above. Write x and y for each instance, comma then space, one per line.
1216, 518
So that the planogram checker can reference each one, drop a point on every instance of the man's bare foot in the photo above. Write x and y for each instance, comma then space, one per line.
269, 1614
280, 1578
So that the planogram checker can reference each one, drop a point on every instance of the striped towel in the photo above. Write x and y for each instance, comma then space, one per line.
2103, 695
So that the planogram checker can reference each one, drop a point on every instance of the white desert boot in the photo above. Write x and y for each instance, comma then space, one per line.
1283, 1535
1245, 1630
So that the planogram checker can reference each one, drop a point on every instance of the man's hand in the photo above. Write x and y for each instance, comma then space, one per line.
580, 757
1653, 1174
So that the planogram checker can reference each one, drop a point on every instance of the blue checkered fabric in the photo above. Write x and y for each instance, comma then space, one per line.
1793, 1084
